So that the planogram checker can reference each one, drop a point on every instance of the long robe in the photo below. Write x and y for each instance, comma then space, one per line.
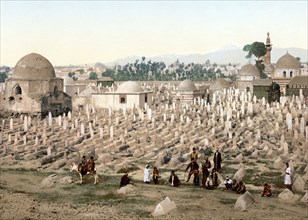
287, 177
147, 175
217, 161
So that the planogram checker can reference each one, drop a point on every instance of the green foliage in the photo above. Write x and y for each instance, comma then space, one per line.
73, 75
93, 75
257, 49
148, 70
3, 76
81, 71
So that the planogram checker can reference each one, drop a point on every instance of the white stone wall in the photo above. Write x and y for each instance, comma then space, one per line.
106, 100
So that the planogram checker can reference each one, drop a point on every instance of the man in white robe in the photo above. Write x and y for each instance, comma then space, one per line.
147, 174
287, 177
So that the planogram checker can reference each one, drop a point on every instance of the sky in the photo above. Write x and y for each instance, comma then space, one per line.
81, 32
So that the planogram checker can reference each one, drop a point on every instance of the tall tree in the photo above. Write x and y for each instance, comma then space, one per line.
257, 49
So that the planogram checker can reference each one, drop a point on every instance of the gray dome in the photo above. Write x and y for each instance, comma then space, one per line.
287, 61
34, 66
129, 87
187, 85
249, 70
220, 84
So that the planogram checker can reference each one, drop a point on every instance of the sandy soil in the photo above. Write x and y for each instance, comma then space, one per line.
22, 196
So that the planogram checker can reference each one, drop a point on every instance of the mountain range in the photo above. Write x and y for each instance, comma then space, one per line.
228, 54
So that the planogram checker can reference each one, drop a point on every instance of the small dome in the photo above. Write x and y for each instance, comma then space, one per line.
287, 61
220, 84
68, 80
187, 85
249, 70
34, 66
129, 87
87, 92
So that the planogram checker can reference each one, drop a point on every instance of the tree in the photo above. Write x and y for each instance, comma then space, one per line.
3, 76
93, 75
72, 75
257, 49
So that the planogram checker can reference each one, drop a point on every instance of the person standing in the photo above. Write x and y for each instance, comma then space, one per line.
194, 155
174, 180
287, 177
124, 180
155, 175
147, 174
217, 161
205, 170
192, 166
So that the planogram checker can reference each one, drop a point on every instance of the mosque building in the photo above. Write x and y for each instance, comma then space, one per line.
34, 89
286, 68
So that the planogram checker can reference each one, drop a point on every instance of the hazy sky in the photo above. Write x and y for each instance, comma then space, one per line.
80, 32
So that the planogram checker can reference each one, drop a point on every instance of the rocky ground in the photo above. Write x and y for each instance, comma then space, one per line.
25, 194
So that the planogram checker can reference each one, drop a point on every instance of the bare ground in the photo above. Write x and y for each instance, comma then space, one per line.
23, 197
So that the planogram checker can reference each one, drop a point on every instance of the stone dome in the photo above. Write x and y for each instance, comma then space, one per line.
249, 70
187, 85
220, 84
287, 61
34, 66
129, 87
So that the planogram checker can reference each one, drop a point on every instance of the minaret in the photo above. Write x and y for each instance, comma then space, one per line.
268, 50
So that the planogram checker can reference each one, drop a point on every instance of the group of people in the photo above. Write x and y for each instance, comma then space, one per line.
238, 187
209, 177
147, 175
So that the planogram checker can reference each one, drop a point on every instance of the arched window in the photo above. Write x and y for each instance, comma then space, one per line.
146, 98
284, 74
122, 100
17, 90
291, 74
247, 89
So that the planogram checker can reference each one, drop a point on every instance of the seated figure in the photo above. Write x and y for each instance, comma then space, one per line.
267, 192
241, 188
228, 183
173, 179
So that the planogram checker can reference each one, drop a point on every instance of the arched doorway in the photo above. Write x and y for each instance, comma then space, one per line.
17, 90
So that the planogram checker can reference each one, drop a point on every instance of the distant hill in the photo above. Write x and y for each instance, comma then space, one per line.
229, 54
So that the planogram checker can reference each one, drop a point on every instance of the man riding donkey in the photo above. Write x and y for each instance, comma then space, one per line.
85, 168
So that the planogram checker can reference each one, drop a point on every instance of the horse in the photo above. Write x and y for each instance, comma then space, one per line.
74, 167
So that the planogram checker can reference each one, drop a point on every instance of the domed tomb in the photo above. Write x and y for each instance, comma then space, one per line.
187, 85
129, 87
287, 61
249, 70
34, 66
